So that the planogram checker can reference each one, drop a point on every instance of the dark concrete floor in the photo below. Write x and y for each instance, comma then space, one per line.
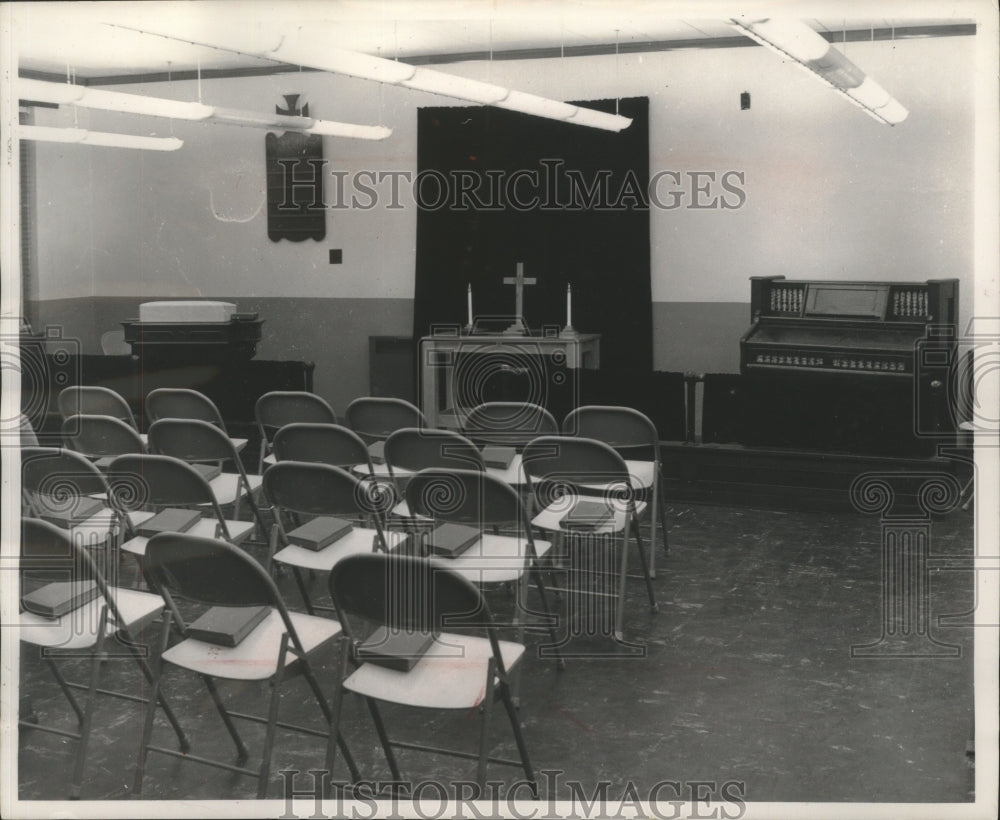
746, 678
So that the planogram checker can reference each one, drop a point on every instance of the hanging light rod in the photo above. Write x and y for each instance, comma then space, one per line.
311, 49
795, 40
44, 133
85, 97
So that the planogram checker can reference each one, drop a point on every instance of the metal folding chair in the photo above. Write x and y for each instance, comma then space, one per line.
631, 433
375, 418
510, 423
155, 482
322, 443
296, 489
506, 551
101, 438
215, 573
461, 670
182, 403
562, 470
280, 407
92, 400
197, 441
101, 630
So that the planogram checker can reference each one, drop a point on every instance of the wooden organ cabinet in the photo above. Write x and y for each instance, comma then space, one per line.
849, 366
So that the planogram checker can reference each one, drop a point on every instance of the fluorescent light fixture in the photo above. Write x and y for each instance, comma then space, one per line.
66, 94
794, 39
311, 49
450, 85
44, 133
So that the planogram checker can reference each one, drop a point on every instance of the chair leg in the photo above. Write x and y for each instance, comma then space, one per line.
88, 711
333, 738
154, 695
522, 748
619, 629
542, 592
185, 745
486, 712
663, 510
301, 584
383, 737
272, 720
310, 677
241, 749
74, 704
653, 523
645, 561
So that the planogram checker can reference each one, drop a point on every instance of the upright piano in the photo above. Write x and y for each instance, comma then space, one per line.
855, 366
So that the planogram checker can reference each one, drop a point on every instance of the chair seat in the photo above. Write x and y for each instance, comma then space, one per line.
226, 486
205, 528
360, 539
512, 475
402, 510
256, 658
270, 459
495, 559
239, 444
78, 629
144, 439
551, 517
450, 675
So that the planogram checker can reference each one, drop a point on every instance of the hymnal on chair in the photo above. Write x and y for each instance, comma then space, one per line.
56, 599
587, 515
169, 520
79, 510
320, 532
227, 625
498, 457
394, 648
450, 540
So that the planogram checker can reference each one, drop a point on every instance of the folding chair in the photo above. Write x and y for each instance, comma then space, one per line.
157, 482
374, 418
65, 487
506, 551
561, 470
215, 573
630, 433
324, 444
101, 438
182, 403
411, 449
511, 423
95, 630
459, 671
280, 407
197, 441
298, 488
92, 400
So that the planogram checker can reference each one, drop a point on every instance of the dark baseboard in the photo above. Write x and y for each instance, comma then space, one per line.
732, 474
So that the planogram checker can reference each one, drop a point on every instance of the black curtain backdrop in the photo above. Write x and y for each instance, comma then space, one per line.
498, 187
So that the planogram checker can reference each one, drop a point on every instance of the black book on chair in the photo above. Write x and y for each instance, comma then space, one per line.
498, 457
227, 625
56, 599
320, 532
79, 510
587, 515
171, 519
394, 648
449, 540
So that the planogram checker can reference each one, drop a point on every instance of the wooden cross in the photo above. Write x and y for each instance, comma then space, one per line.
519, 282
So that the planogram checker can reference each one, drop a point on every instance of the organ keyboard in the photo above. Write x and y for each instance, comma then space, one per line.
862, 328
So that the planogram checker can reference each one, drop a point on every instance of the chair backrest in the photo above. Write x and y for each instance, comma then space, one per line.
137, 480
466, 497
405, 592
374, 417
323, 443
60, 474
621, 427
191, 440
213, 572
573, 460
92, 400
50, 552
99, 436
181, 403
320, 489
511, 423
414, 449
280, 407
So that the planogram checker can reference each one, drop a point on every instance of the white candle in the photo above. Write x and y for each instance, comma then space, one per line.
469, 301
569, 305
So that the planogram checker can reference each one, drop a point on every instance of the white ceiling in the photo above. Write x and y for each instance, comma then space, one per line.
107, 39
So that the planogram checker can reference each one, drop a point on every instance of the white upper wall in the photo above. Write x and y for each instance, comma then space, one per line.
829, 192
